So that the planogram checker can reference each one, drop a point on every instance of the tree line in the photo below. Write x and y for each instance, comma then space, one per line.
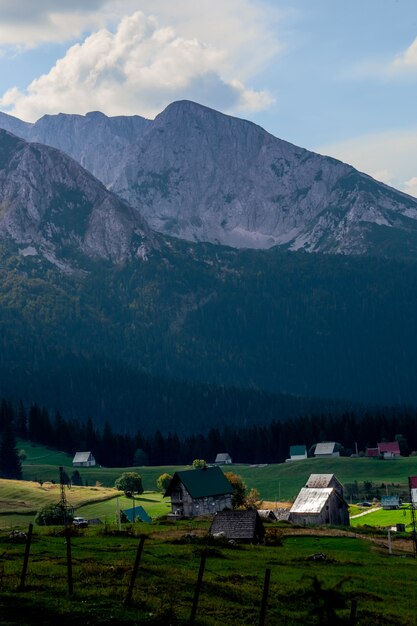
268, 443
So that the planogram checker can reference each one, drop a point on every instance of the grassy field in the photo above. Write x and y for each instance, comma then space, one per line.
20, 500
274, 482
301, 588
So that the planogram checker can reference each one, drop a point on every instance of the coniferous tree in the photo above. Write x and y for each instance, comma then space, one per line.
10, 466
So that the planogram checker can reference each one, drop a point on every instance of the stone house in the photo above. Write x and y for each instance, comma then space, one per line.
199, 492
245, 526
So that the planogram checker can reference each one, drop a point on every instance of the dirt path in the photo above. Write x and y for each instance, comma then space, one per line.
376, 508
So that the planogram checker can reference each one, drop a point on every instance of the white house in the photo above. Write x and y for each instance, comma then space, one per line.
326, 448
223, 458
83, 459
298, 453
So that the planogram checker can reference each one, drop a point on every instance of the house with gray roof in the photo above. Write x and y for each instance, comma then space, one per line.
243, 526
325, 449
199, 492
83, 459
321, 501
223, 458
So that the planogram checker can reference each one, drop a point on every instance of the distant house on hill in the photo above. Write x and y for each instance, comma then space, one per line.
389, 449
326, 448
321, 501
390, 503
223, 458
385, 449
238, 525
83, 459
199, 492
298, 453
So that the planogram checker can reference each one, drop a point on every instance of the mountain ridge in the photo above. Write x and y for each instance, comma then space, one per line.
200, 175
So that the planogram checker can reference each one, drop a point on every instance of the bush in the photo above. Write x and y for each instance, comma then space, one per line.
199, 464
53, 515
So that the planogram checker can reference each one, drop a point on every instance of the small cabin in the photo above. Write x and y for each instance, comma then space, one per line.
223, 458
83, 459
298, 453
326, 449
390, 503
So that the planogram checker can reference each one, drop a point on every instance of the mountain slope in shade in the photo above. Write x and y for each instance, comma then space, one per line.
51, 206
200, 175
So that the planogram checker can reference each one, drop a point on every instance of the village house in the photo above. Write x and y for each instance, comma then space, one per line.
223, 458
321, 501
390, 503
298, 453
326, 448
385, 449
245, 526
199, 492
83, 459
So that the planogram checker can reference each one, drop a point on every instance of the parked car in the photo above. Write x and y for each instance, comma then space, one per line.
365, 504
80, 522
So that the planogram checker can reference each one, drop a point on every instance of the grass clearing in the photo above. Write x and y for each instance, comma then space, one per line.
232, 585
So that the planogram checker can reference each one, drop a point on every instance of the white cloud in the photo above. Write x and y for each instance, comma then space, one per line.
389, 156
410, 186
139, 68
406, 61
26, 24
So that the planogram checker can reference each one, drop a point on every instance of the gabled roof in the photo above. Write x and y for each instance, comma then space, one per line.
389, 446
81, 457
325, 447
372, 452
238, 525
390, 501
311, 500
297, 450
137, 512
201, 483
222, 457
320, 481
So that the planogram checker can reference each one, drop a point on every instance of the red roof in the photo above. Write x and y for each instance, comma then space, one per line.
372, 452
389, 446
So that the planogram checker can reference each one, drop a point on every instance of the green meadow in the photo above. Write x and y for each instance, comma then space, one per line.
302, 590
274, 482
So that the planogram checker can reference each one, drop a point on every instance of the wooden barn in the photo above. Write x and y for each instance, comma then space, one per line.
199, 492
321, 501
83, 459
245, 526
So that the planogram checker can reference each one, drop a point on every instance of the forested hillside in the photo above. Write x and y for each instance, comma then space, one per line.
311, 325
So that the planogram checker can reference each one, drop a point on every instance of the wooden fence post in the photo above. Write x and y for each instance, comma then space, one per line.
264, 597
69, 561
197, 588
129, 593
352, 618
26, 558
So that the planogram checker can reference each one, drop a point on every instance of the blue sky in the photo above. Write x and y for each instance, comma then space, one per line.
333, 76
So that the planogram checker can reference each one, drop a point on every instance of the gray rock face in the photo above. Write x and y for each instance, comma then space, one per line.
51, 206
200, 175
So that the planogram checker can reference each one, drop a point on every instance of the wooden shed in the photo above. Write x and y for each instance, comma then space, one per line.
199, 492
245, 526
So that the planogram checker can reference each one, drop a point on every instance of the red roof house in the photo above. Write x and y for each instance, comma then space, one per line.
389, 449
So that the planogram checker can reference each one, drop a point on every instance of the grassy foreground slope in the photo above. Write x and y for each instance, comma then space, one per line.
354, 568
